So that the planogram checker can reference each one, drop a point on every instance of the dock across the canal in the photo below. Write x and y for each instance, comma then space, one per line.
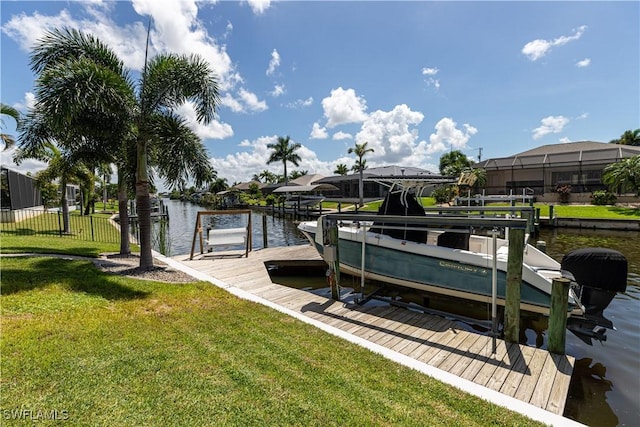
515, 375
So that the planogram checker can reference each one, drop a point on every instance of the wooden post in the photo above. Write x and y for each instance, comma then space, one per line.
196, 229
249, 242
332, 255
550, 214
558, 315
264, 231
514, 283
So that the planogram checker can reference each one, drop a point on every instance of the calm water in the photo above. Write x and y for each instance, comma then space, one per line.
605, 389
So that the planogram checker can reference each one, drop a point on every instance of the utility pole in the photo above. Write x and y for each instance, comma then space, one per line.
479, 154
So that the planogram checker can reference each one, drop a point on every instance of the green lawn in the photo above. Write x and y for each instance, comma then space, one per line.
580, 211
111, 350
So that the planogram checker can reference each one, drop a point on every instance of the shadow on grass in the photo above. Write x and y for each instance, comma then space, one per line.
77, 276
632, 212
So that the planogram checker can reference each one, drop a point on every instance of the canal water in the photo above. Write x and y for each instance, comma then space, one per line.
605, 388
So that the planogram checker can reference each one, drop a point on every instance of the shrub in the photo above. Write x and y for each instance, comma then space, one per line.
603, 197
564, 191
443, 194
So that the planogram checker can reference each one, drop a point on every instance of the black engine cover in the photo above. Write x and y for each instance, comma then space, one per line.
599, 268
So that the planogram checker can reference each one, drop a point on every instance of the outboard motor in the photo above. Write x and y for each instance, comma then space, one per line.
599, 274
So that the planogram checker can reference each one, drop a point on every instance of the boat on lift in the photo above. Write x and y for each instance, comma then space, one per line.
458, 262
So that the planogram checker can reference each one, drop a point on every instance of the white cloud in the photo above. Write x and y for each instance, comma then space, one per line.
344, 106
273, 63
390, 133
584, 63
429, 71
259, 6
277, 90
300, 103
28, 165
565, 140
230, 102
582, 116
448, 136
318, 132
550, 124
213, 130
27, 103
175, 29
251, 100
241, 166
536, 49
341, 135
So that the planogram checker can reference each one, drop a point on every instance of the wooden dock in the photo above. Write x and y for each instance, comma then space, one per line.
528, 374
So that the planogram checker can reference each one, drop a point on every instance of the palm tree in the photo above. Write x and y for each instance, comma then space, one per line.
360, 150
219, 184
284, 151
112, 114
297, 174
341, 169
624, 175
453, 163
267, 177
8, 110
629, 137
62, 166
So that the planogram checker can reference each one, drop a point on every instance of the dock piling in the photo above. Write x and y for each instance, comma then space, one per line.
558, 315
514, 283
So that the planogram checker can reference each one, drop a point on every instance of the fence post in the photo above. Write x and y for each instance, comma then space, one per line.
558, 315
59, 224
91, 222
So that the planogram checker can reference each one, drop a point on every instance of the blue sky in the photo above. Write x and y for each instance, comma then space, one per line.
414, 79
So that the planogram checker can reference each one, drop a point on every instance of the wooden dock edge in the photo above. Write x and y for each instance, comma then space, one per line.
495, 397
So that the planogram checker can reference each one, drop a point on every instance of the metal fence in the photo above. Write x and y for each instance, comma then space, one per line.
51, 222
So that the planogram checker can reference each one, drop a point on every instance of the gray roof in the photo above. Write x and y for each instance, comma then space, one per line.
585, 152
382, 171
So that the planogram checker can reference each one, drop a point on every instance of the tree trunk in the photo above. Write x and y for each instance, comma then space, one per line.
143, 205
125, 247
361, 186
286, 178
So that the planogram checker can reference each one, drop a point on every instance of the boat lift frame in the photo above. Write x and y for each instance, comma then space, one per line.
516, 227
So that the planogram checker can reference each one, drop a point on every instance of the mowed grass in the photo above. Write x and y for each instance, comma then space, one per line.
37, 243
110, 350
583, 211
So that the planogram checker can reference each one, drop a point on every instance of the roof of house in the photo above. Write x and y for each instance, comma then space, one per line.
584, 152
246, 185
381, 171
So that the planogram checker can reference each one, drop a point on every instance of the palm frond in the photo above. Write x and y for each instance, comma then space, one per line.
171, 80
178, 153
62, 45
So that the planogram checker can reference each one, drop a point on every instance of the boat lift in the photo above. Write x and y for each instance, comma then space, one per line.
515, 229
